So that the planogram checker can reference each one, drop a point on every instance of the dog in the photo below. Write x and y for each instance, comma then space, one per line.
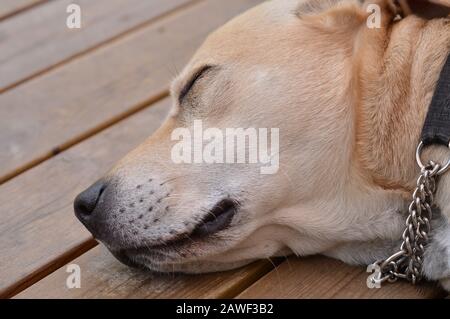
349, 102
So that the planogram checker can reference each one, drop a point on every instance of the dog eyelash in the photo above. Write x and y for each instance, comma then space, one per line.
192, 81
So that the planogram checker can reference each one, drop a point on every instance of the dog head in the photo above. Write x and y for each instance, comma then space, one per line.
286, 69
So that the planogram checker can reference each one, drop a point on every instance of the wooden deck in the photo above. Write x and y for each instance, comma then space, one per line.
72, 102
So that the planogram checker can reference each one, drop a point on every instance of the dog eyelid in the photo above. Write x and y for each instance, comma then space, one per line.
188, 86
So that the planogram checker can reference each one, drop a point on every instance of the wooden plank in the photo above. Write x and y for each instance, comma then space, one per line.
11, 7
37, 224
74, 101
104, 277
321, 277
39, 39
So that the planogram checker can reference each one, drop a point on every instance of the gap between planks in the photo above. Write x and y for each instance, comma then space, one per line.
85, 135
31, 155
84, 247
51, 209
44, 272
106, 42
102, 276
77, 139
86, 242
20, 9
48, 269
323, 277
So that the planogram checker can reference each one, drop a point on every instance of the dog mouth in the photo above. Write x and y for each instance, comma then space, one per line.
216, 220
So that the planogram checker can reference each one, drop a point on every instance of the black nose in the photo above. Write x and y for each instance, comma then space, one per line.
86, 202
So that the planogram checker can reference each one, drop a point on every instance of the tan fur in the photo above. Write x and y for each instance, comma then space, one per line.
349, 102
397, 73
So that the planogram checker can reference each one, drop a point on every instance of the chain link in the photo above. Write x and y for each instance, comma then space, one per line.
407, 262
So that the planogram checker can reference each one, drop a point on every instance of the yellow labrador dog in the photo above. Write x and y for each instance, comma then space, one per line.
349, 102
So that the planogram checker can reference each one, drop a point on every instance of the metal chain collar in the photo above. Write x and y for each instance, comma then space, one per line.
407, 262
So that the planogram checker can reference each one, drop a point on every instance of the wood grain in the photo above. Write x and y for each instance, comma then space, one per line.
11, 7
321, 277
37, 224
39, 39
72, 102
104, 277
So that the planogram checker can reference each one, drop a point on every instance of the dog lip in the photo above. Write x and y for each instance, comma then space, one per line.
218, 218
124, 258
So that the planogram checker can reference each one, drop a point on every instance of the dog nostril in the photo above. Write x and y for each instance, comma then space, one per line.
86, 202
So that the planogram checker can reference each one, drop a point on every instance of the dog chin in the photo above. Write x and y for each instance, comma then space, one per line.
157, 264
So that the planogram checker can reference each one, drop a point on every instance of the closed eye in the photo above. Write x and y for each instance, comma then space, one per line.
197, 75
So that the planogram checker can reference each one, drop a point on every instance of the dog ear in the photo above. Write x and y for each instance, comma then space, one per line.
336, 15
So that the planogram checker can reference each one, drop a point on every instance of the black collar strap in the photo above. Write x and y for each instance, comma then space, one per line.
436, 129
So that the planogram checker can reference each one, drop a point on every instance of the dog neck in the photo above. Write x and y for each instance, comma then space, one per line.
395, 84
